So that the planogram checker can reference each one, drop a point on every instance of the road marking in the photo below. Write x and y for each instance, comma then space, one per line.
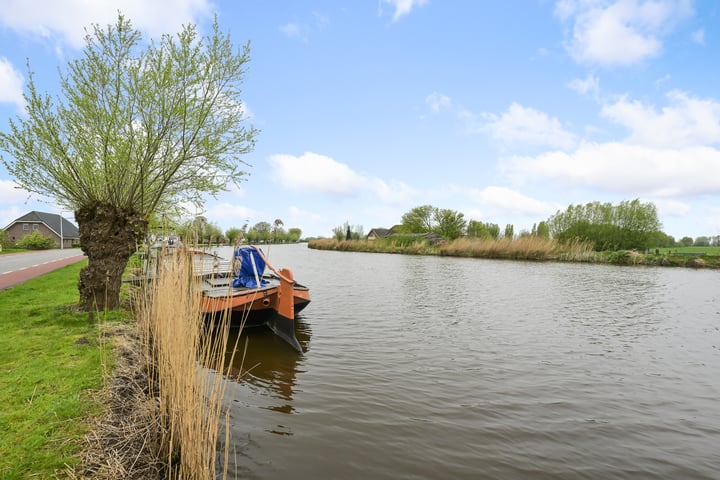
37, 265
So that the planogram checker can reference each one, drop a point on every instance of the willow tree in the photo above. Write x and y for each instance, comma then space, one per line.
628, 225
136, 128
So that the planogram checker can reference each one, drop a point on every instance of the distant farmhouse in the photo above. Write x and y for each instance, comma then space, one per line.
375, 233
49, 224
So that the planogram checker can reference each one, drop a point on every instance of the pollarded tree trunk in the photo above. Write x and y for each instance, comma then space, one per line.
108, 237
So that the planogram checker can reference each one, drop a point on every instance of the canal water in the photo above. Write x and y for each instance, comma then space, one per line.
422, 367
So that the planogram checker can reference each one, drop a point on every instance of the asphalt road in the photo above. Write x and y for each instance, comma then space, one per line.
16, 268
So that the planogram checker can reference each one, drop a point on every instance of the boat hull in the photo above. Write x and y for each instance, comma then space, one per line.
274, 306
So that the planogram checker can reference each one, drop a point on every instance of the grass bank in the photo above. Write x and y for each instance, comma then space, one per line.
116, 399
51, 359
4, 251
525, 248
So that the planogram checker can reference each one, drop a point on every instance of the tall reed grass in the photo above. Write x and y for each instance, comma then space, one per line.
402, 244
185, 371
521, 248
579, 251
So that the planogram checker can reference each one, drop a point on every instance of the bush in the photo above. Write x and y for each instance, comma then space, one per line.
36, 241
626, 257
5, 241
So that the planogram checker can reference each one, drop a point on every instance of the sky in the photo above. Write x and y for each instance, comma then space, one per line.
504, 111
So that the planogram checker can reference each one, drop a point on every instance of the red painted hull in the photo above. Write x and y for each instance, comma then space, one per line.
273, 305
253, 301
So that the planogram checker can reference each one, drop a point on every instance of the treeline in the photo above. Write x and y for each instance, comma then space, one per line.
629, 225
451, 225
626, 226
348, 232
202, 231
264, 232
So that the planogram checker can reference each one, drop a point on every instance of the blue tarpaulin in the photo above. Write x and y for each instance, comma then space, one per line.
244, 271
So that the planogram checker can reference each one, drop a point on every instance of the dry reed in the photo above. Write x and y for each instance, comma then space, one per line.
184, 368
579, 251
164, 394
521, 248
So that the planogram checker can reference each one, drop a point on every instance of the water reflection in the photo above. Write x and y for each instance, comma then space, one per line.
263, 362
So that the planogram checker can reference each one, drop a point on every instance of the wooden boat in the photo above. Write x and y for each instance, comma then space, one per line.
252, 297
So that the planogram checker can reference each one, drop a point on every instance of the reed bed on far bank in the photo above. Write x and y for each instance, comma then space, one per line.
399, 244
184, 371
521, 248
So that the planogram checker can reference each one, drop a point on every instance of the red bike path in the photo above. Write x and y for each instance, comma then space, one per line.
19, 276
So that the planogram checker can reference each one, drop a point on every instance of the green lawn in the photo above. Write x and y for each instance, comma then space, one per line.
12, 250
712, 251
50, 361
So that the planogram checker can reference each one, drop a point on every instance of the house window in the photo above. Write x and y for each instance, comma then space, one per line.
35, 226
26, 226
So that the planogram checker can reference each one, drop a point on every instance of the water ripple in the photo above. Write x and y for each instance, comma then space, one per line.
423, 367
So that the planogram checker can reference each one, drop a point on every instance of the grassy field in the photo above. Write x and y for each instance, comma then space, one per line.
711, 251
50, 361
59, 381
12, 250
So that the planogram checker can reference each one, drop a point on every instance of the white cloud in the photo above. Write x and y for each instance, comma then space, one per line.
11, 84
588, 85
685, 122
235, 191
9, 193
437, 101
698, 36
663, 80
292, 30
303, 30
628, 169
393, 193
620, 32
15, 202
526, 125
298, 215
404, 7
671, 208
8, 215
513, 201
239, 214
313, 172
317, 173
65, 22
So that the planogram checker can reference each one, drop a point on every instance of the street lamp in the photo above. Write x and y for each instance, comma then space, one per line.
62, 239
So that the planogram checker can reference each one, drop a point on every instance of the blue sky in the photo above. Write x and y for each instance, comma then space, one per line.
504, 111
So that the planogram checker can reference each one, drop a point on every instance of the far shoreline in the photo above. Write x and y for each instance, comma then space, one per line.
522, 248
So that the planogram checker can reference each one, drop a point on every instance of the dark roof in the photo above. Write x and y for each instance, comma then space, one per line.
52, 221
380, 232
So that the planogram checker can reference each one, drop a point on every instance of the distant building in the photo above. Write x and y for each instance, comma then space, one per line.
376, 233
431, 238
49, 224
